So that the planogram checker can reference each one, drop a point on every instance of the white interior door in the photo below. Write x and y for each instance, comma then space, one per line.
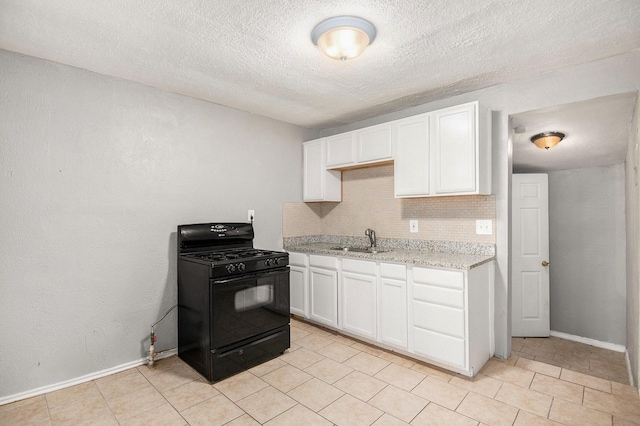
530, 256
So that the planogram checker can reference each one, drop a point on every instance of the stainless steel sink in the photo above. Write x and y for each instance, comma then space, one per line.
358, 249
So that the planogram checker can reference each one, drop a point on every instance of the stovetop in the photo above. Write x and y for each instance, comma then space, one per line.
238, 261
218, 257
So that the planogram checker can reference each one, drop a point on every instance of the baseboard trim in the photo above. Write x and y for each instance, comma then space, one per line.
82, 379
592, 342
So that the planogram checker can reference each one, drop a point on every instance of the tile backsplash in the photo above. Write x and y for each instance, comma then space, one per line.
368, 202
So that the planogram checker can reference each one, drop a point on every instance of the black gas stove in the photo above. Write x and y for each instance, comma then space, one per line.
233, 299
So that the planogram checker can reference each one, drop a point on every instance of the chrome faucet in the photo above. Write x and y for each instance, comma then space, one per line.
372, 237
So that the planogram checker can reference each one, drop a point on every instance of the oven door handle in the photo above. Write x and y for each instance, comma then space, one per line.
262, 274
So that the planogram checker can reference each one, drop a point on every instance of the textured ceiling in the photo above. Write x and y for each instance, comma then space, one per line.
257, 55
597, 134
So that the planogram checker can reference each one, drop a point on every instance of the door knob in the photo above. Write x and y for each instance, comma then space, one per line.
545, 263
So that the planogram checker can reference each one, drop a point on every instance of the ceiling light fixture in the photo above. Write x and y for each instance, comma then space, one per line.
547, 140
343, 37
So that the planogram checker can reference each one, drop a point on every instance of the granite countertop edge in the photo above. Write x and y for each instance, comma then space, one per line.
430, 258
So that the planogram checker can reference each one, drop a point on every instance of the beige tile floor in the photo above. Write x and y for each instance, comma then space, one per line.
574, 356
329, 379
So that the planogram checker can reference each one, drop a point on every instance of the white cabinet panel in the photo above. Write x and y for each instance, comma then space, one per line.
439, 347
411, 165
393, 270
358, 304
323, 296
439, 277
439, 295
437, 318
319, 184
393, 311
359, 266
374, 143
327, 262
298, 259
298, 288
341, 150
453, 142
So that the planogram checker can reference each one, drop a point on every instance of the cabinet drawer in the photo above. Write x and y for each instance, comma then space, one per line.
438, 346
438, 295
440, 319
299, 259
391, 270
328, 262
439, 277
359, 266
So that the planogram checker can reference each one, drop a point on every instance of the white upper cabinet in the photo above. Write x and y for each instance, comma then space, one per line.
411, 166
319, 184
444, 152
374, 143
360, 147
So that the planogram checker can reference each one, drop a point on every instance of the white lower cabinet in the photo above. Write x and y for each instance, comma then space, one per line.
358, 283
451, 316
393, 305
441, 316
323, 290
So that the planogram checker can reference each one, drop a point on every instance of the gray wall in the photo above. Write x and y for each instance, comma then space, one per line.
587, 253
96, 173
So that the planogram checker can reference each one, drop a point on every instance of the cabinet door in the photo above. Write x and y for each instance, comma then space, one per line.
358, 304
454, 155
341, 150
323, 295
411, 165
374, 143
299, 279
319, 184
393, 312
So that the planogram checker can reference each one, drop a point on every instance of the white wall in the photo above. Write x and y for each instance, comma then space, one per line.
632, 214
96, 173
587, 244
609, 76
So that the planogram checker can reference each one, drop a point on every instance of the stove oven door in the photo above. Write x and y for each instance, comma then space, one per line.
248, 307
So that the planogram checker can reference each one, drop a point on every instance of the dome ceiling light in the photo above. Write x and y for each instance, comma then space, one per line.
343, 37
547, 140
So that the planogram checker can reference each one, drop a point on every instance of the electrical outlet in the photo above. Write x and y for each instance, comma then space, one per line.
413, 225
484, 227
251, 215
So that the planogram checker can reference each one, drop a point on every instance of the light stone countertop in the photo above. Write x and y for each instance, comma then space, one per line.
427, 258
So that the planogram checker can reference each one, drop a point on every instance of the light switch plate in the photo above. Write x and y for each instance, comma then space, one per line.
413, 225
484, 227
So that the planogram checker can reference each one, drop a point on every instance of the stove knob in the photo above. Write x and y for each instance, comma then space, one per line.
241, 267
230, 268
267, 262
276, 260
